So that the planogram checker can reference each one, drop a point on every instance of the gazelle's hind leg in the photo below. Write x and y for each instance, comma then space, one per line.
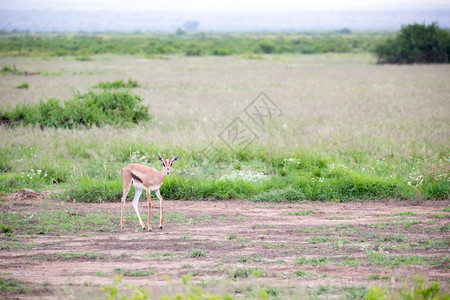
137, 194
126, 180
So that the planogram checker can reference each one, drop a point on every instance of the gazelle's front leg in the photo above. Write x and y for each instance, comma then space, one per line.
158, 194
149, 198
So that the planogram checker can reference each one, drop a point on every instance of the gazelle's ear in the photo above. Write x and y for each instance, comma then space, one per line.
175, 158
160, 158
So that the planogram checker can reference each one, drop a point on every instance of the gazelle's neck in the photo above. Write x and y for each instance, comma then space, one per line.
162, 174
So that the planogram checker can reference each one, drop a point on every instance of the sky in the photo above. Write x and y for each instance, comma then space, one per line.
219, 5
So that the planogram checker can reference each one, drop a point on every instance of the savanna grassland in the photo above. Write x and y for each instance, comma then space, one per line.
293, 220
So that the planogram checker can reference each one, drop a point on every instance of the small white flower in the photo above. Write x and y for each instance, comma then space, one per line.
244, 175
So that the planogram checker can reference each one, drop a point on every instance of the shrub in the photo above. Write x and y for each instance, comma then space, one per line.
267, 46
416, 44
221, 51
118, 108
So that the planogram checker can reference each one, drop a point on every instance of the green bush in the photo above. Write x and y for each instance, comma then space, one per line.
118, 108
416, 44
267, 46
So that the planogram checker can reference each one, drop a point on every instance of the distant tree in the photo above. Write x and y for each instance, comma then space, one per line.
416, 43
344, 31
267, 46
180, 32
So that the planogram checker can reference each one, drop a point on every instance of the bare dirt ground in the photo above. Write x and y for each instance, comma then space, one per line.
293, 246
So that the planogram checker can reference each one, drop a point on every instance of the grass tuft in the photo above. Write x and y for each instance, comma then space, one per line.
196, 253
118, 84
22, 86
10, 285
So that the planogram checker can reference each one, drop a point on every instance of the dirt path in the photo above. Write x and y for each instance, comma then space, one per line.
303, 245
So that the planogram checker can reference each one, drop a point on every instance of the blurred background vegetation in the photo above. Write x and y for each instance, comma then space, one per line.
416, 43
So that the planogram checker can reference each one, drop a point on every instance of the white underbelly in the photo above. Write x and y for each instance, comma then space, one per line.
140, 186
154, 188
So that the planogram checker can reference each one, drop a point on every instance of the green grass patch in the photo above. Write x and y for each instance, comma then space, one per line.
195, 253
118, 84
135, 272
88, 189
315, 261
300, 212
417, 289
444, 228
245, 273
70, 256
155, 45
11, 286
409, 225
440, 216
118, 108
22, 86
4, 228
395, 238
300, 273
318, 239
377, 277
166, 255
406, 213
89, 171
55, 222
382, 259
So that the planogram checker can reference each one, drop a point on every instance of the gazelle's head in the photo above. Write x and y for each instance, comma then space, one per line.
167, 163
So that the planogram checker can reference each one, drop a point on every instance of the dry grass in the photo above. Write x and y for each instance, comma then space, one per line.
332, 102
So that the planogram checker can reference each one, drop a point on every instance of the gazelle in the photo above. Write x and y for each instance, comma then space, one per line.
143, 177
